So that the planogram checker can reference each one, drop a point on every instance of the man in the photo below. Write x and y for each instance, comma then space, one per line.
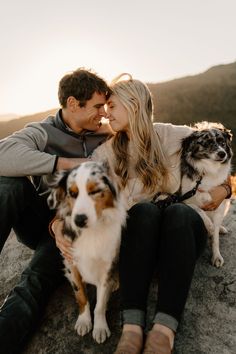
59, 142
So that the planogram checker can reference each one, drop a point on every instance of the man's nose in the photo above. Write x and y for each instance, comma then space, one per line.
102, 112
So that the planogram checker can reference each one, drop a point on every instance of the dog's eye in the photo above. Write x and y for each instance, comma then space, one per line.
203, 143
222, 142
73, 193
95, 191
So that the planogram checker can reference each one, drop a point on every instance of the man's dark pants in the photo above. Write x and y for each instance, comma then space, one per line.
22, 209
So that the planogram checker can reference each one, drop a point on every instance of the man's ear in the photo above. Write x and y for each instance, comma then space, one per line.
72, 103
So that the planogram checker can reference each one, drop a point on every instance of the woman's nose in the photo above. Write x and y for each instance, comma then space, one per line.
107, 112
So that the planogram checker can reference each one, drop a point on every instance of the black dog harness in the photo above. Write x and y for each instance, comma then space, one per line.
176, 197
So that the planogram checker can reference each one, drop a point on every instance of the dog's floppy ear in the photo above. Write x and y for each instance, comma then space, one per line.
110, 185
107, 177
187, 141
227, 133
58, 188
106, 166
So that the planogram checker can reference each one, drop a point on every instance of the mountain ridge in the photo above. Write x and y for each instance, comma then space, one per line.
210, 95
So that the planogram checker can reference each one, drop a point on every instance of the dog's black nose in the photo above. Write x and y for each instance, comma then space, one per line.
81, 220
221, 154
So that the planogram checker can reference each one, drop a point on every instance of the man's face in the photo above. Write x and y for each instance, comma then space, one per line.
89, 116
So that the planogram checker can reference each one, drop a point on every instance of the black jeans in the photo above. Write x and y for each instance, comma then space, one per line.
168, 240
28, 214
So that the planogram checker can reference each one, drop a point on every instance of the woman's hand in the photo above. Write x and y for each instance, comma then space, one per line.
63, 243
218, 194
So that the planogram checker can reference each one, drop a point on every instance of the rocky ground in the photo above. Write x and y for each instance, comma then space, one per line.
208, 324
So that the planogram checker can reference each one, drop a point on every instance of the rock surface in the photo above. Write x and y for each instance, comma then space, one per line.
208, 324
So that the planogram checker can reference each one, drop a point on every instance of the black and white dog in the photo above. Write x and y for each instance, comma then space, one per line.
206, 159
89, 203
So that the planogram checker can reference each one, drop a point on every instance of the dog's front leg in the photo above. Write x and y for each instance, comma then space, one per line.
217, 218
207, 221
100, 330
84, 323
217, 259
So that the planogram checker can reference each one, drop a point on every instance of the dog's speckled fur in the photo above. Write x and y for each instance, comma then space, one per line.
93, 211
207, 153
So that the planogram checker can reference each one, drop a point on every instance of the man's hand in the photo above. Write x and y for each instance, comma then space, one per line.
66, 163
63, 243
218, 194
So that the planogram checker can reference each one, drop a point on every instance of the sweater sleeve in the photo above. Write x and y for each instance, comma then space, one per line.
22, 153
171, 135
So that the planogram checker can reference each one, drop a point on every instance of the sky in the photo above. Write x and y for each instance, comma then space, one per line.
154, 40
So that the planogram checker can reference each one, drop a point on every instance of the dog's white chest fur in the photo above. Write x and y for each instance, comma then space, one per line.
210, 180
94, 251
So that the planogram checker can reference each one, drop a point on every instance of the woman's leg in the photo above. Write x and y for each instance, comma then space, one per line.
183, 238
138, 257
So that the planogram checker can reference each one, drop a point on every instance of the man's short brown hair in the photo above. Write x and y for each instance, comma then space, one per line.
81, 84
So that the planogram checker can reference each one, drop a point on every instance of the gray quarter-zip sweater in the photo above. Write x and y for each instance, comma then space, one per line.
33, 151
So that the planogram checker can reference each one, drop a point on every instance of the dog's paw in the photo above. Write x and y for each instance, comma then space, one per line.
217, 260
100, 334
83, 325
223, 230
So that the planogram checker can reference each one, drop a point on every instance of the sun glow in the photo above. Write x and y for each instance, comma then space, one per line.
110, 38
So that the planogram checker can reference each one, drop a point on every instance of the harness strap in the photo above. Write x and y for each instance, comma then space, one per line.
176, 197
192, 192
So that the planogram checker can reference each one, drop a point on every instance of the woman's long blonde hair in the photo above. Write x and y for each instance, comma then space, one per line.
151, 165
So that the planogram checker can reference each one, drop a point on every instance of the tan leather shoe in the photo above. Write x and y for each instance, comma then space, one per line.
129, 343
157, 343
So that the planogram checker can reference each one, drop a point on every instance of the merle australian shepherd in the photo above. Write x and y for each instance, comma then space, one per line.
206, 157
89, 203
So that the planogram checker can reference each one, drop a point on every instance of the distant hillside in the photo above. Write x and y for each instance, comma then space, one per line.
207, 96
9, 116
7, 128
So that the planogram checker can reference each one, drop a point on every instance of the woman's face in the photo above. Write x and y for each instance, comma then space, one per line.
117, 114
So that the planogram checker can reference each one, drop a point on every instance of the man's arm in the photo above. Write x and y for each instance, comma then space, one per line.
64, 163
22, 153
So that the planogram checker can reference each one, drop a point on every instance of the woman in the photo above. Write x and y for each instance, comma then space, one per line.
145, 159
